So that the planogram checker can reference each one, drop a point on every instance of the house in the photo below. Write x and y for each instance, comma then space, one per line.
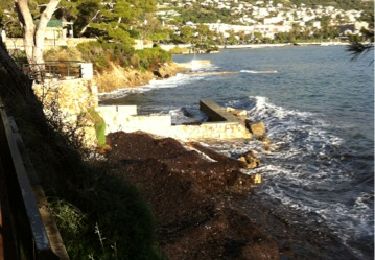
58, 30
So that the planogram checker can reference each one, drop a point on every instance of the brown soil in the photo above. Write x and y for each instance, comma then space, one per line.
191, 198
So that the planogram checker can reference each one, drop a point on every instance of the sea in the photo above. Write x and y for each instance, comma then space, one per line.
318, 106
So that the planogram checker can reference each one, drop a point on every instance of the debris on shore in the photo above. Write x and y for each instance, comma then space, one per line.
191, 197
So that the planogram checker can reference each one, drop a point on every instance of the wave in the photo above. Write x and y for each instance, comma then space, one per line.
172, 82
259, 71
309, 171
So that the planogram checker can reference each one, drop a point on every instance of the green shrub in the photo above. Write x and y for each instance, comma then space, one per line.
178, 50
62, 54
103, 54
99, 127
151, 58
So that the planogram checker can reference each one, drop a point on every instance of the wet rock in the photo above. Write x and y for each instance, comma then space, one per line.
267, 144
258, 129
157, 74
236, 112
249, 160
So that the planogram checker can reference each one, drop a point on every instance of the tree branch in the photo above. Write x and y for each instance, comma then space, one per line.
83, 30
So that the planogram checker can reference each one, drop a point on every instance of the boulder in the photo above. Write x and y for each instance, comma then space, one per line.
236, 112
249, 160
258, 129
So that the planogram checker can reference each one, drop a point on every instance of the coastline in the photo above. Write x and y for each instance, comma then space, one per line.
207, 209
277, 45
148, 85
117, 79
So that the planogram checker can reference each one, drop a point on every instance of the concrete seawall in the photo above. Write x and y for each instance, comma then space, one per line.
221, 124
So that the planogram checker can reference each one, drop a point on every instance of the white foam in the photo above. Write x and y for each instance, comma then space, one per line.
306, 172
172, 82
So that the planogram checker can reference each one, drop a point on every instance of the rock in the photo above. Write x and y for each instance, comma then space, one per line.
258, 129
256, 178
158, 74
266, 144
242, 113
236, 112
249, 159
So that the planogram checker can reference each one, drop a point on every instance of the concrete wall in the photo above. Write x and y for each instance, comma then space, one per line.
215, 112
125, 119
219, 130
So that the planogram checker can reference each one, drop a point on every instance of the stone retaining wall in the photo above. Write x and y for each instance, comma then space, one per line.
69, 102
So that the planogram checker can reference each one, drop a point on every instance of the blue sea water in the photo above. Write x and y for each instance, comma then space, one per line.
318, 107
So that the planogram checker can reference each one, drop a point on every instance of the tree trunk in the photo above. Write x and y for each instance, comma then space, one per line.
34, 49
40, 33
28, 26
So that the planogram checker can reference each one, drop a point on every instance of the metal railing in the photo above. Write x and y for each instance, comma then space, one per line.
23, 230
56, 70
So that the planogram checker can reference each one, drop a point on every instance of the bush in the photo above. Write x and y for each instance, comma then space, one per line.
62, 54
99, 127
151, 59
178, 50
103, 54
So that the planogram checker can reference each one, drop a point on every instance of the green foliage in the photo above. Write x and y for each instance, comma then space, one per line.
105, 219
110, 18
178, 50
120, 36
62, 54
100, 127
151, 59
102, 54
199, 14
344, 4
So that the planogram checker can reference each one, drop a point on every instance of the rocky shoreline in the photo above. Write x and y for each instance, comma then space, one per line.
205, 206
118, 78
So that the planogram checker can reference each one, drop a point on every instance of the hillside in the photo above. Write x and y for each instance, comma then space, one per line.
225, 11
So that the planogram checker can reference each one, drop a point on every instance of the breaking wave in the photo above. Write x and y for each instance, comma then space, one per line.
310, 169
172, 82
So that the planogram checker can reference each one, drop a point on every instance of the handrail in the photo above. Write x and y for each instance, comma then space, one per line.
49, 70
23, 220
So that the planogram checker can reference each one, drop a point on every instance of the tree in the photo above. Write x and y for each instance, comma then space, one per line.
356, 47
33, 35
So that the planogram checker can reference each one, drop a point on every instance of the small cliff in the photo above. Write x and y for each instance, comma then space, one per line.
70, 104
117, 77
